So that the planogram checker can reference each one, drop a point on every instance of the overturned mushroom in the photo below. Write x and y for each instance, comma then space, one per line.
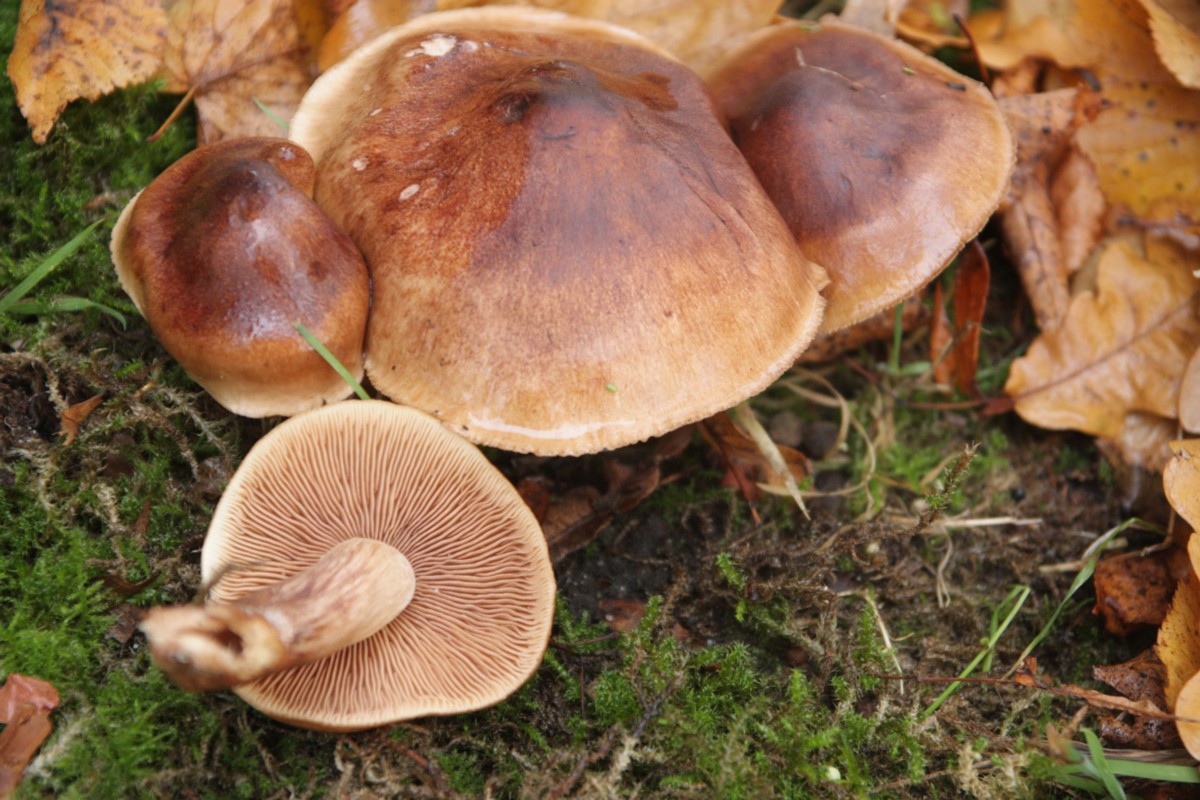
883, 161
365, 566
223, 253
568, 254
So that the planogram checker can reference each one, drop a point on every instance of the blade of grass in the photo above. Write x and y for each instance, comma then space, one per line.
1099, 766
53, 260
62, 304
1016, 599
332, 360
1083, 576
283, 126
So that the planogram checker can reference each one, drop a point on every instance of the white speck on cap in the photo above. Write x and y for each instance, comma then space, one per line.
437, 45
359, 164
410, 190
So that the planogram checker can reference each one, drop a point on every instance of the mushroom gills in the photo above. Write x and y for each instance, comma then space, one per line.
353, 591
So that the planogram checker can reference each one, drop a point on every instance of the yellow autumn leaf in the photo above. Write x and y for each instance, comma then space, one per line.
1181, 482
1178, 645
1175, 25
228, 54
1146, 150
74, 49
1121, 348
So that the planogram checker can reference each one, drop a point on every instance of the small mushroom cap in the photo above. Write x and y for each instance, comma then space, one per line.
222, 253
480, 615
883, 161
568, 252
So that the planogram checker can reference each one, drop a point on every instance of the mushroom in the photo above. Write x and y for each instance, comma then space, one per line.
568, 253
883, 161
365, 565
223, 253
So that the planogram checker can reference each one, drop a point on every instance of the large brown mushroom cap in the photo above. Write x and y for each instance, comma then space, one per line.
222, 253
883, 161
568, 253
480, 616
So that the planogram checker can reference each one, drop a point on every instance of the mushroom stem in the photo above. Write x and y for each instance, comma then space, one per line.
349, 594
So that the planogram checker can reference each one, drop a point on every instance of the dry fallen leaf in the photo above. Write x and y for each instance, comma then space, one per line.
1140, 678
1146, 150
1080, 207
75, 415
956, 360
1189, 395
1120, 349
1043, 125
699, 33
1178, 644
1175, 25
1135, 590
1070, 33
747, 469
71, 49
1181, 481
227, 54
25, 706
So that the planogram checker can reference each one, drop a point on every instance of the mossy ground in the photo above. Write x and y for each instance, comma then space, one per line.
758, 667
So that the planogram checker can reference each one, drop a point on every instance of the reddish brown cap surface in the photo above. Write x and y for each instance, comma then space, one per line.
568, 253
222, 253
480, 616
883, 161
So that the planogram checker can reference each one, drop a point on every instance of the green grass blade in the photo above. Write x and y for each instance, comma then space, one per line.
283, 126
67, 303
332, 360
1016, 599
57, 257
1099, 766
1084, 575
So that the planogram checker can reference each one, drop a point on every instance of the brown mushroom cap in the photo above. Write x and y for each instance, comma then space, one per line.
883, 161
568, 253
222, 253
479, 618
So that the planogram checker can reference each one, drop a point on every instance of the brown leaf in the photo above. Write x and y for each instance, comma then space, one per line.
1079, 206
746, 465
1121, 348
573, 521
1178, 644
1181, 481
70, 49
971, 280
1189, 395
1070, 33
1144, 443
75, 415
1187, 704
25, 706
1175, 25
1043, 125
1133, 590
229, 53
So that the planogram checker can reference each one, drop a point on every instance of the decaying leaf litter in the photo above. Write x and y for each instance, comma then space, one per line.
664, 708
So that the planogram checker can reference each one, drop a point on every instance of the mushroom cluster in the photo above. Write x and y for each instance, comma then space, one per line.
364, 566
567, 250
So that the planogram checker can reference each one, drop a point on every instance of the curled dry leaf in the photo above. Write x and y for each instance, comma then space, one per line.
1070, 33
1181, 481
956, 354
699, 33
1178, 645
747, 468
1079, 206
1043, 125
1175, 25
25, 706
75, 415
226, 54
70, 49
1189, 395
1140, 679
1121, 348
1134, 590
